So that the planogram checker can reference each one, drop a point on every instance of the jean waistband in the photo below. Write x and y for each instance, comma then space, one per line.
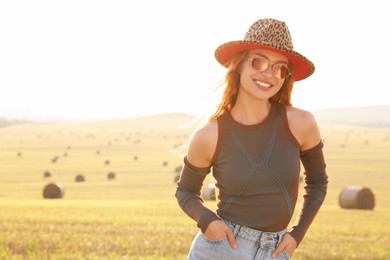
254, 235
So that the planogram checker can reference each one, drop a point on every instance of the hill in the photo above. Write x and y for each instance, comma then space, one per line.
374, 116
5, 122
378, 116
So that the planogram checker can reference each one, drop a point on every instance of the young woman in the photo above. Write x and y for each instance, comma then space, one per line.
254, 145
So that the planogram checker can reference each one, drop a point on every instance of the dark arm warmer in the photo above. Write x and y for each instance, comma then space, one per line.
316, 180
188, 195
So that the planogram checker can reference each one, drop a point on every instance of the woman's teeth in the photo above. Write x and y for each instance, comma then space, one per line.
262, 84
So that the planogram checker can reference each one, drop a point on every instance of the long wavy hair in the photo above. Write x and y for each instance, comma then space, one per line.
232, 84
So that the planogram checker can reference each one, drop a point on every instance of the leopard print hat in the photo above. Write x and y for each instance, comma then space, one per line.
269, 34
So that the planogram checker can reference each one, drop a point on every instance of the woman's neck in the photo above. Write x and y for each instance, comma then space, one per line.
251, 114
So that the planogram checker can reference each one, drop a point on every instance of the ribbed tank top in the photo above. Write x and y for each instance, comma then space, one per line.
257, 171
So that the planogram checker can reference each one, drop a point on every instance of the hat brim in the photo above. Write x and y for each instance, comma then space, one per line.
303, 67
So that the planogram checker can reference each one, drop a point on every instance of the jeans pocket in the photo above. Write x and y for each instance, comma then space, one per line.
212, 241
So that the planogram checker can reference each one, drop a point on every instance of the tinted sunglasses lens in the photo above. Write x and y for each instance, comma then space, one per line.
260, 64
281, 71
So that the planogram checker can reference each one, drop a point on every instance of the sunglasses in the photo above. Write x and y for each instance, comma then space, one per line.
279, 70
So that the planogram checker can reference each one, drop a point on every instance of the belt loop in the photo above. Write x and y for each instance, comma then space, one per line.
259, 238
236, 229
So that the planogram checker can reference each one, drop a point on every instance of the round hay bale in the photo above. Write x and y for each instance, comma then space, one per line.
111, 175
79, 178
209, 192
178, 169
356, 198
53, 191
46, 174
54, 160
176, 178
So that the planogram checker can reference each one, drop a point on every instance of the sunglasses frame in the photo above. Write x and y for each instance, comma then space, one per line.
272, 64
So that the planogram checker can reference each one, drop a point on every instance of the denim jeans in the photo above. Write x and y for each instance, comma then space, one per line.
251, 245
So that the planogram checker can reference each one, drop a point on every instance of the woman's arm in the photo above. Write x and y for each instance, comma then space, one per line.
197, 164
305, 128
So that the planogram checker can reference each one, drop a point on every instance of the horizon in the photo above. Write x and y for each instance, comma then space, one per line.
89, 120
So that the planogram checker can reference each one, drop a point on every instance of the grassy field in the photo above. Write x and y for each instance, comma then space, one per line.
135, 215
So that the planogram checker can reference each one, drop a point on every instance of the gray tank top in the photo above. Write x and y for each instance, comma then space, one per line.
257, 168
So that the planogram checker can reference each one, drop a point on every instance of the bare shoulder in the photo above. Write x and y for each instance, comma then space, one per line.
203, 144
300, 116
304, 127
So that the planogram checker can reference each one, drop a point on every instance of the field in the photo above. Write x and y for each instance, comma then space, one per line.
135, 215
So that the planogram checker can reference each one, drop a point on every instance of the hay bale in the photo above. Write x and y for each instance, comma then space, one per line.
46, 174
54, 159
53, 191
356, 198
178, 169
176, 178
209, 192
111, 175
107, 162
79, 178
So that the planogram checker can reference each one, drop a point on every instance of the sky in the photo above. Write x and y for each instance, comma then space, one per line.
100, 60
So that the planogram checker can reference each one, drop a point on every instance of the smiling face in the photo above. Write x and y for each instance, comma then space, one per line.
258, 81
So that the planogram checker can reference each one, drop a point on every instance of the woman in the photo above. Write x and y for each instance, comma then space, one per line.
254, 144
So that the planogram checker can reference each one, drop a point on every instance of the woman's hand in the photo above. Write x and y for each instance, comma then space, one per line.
218, 229
288, 244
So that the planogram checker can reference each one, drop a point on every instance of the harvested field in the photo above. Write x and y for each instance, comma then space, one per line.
137, 217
